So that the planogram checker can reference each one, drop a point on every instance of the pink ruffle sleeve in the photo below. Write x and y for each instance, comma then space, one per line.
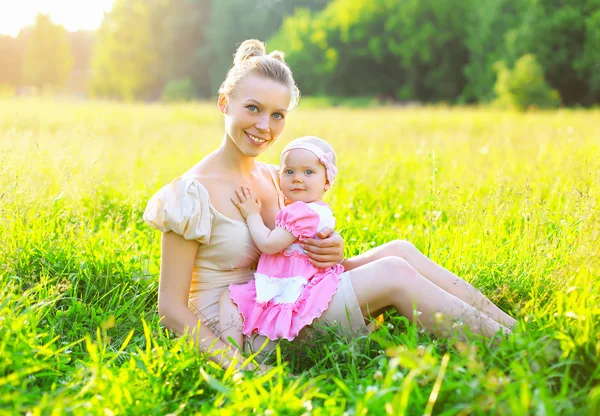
298, 219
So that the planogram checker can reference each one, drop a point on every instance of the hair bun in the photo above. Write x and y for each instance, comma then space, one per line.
277, 55
248, 49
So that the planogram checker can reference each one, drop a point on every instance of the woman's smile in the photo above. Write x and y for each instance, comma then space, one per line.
255, 140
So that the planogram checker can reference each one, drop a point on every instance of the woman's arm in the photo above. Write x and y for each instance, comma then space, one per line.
177, 262
327, 250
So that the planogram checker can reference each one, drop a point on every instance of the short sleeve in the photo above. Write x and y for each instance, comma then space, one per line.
299, 219
183, 206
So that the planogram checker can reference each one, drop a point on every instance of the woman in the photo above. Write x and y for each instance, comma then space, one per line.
206, 245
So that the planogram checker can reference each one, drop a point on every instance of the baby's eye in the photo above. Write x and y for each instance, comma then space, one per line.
288, 172
308, 172
278, 116
252, 108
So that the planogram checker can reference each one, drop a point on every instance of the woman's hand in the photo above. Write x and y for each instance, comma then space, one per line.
245, 202
327, 250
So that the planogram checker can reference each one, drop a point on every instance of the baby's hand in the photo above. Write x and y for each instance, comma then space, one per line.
245, 202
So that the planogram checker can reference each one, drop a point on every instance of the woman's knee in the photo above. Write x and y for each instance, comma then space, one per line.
402, 248
399, 274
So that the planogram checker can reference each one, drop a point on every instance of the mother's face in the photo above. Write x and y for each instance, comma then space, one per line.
255, 113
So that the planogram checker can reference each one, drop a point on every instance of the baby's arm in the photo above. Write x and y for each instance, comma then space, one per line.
267, 241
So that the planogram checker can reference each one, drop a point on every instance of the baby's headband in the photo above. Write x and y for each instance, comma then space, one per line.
326, 158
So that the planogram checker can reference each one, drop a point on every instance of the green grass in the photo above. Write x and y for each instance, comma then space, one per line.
508, 201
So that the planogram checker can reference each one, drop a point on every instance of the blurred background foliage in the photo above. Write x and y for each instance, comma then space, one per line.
518, 53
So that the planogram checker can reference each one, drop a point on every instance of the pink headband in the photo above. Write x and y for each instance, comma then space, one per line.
326, 158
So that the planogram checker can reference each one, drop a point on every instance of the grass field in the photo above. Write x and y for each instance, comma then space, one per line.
507, 201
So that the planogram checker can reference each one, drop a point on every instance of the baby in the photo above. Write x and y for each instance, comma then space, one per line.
288, 292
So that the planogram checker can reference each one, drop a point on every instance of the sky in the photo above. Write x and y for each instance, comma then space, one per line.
72, 14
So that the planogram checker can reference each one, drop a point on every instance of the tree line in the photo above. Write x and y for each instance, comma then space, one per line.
44, 55
444, 50
457, 51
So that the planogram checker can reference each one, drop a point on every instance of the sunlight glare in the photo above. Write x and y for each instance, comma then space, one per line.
72, 14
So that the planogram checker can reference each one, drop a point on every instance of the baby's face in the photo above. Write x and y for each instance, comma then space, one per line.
303, 177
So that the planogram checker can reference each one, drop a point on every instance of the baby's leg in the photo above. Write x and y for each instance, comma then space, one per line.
230, 321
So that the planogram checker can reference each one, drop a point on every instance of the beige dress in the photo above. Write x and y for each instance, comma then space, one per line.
227, 253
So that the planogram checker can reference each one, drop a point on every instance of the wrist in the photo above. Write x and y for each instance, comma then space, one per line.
347, 264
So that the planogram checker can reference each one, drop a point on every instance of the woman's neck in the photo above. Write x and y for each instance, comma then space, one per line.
235, 161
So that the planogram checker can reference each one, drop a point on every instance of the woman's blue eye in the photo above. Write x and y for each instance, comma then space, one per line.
278, 116
252, 108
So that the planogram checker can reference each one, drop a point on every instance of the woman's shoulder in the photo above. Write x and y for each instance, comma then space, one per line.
269, 171
184, 187
206, 183
271, 167
202, 172
181, 206
272, 175
206, 175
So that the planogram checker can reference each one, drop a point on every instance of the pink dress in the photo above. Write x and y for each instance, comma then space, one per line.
288, 292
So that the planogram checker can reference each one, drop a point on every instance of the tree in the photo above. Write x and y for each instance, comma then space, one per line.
302, 38
524, 86
355, 43
429, 38
404, 48
589, 62
486, 24
126, 62
563, 35
82, 45
184, 47
10, 61
47, 60
341, 50
233, 21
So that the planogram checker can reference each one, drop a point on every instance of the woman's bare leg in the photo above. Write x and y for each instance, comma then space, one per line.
230, 321
442, 277
391, 281
231, 324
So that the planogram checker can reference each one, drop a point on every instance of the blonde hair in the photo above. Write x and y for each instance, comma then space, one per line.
252, 58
